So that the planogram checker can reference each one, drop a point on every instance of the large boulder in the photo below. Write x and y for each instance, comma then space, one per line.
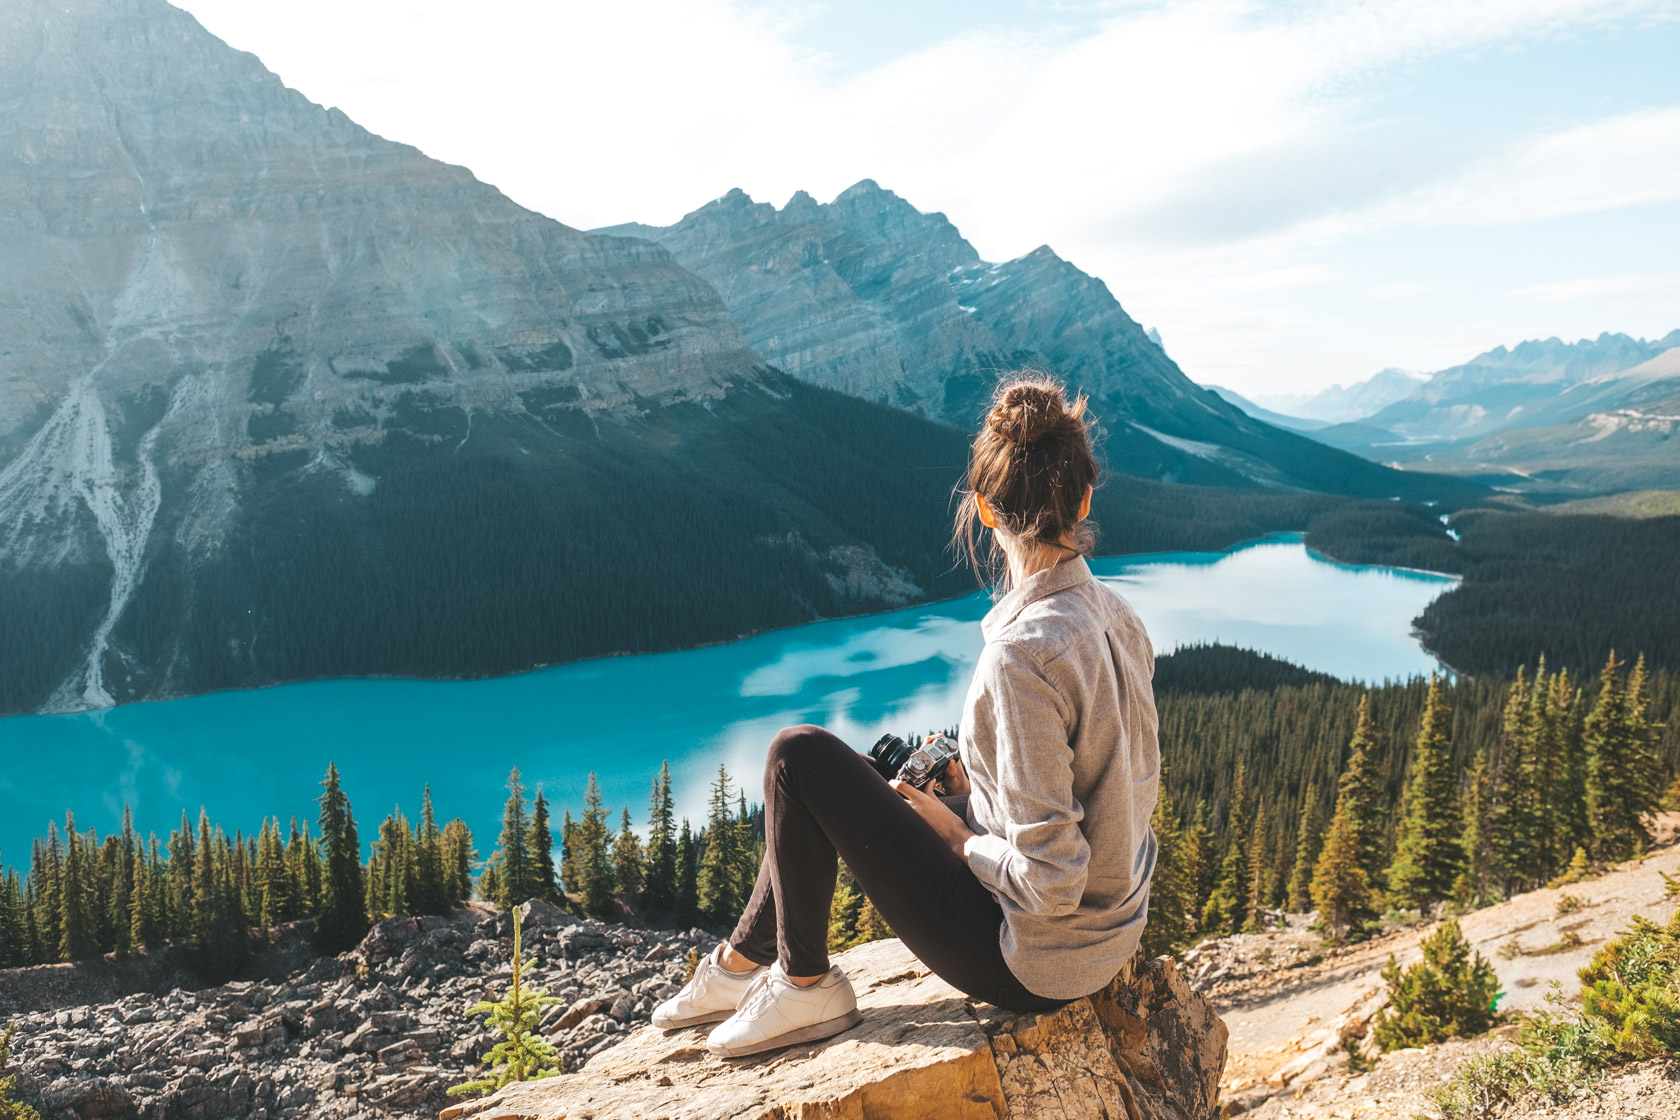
1144, 1048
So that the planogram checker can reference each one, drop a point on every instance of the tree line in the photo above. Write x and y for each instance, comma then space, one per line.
1526, 783
220, 896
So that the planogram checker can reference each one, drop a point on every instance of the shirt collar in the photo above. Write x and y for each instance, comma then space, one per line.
1058, 577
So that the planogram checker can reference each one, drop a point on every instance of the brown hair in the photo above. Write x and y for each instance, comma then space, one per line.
1032, 462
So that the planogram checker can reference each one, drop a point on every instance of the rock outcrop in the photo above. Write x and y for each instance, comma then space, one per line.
1145, 1048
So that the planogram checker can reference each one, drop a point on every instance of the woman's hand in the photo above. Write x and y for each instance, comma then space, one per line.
951, 828
955, 779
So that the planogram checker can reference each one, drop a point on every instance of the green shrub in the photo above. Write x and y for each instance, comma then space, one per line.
1633, 987
1630, 1009
10, 1107
1450, 992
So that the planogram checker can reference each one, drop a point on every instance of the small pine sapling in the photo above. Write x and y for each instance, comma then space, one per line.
1450, 992
523, 1054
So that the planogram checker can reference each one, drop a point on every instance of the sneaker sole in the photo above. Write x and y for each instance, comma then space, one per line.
694, 1020
812, 1033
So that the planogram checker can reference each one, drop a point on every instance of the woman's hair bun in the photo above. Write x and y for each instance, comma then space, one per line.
1028, 410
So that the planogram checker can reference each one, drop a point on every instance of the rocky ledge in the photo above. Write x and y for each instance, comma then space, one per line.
1144, 1048
377, 1032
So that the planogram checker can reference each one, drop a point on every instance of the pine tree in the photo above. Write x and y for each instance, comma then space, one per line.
303, 863
342, 917
686, 905
1513, 810
513, 874
594, 855
1199, 862
1542, 743
570, 877
1573, 826
75, 939
717, 898
1472, 886
431, 888
1450, 992
458, 857
120, 897
217, 940
627, 861
181, 860
1429, 855
1171, 888
748, 853
1226, 910
659, 873
1361, 784
148, 923
1308, 839
46, 876
523, 1054
1340, 888
1623, 771
1259, 865
14, 946
844, 909
539, 848
274, 879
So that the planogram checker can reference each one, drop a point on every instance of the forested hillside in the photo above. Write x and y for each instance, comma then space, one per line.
1454, 790
1570, 587
524, 547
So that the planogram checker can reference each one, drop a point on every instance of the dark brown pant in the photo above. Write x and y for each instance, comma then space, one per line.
822, 798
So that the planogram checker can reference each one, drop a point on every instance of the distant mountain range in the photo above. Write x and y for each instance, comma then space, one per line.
281, 399
1338, 405
1591, 415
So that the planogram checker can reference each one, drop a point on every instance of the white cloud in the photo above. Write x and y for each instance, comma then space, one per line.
1631, 159
1195, 155
1595, 287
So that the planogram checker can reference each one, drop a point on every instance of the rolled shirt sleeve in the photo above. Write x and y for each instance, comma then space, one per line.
1040, 861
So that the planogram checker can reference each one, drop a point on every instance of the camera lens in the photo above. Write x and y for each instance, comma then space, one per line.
888, 755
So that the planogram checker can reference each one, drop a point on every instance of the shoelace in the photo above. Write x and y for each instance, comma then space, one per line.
757, 997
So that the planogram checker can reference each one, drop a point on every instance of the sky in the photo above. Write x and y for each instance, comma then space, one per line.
1294, 193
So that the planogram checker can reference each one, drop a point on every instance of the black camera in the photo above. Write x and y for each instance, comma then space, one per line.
893, 758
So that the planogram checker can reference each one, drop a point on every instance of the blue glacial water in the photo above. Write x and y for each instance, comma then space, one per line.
246, 753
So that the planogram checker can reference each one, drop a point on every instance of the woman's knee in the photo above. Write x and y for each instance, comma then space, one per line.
797, 746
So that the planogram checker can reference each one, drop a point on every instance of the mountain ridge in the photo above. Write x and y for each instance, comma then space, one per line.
868, 295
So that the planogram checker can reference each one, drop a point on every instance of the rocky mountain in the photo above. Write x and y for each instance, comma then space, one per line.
1343, 405
1626, 436
868, 295
280, 398
1532, 384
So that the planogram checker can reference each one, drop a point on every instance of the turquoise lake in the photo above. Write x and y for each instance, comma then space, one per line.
246, 753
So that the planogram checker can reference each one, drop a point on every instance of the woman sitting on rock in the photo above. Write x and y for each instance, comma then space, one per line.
1029, 887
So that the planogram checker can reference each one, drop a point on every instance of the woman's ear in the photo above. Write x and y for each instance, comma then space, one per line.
1085, 505
984, 509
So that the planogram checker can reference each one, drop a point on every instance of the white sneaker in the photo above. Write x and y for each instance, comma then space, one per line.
710, 996
778, 1012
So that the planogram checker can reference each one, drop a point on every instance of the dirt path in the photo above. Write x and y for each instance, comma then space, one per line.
1287, 1000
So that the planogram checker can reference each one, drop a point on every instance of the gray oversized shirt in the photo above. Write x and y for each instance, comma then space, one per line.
1059, 741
